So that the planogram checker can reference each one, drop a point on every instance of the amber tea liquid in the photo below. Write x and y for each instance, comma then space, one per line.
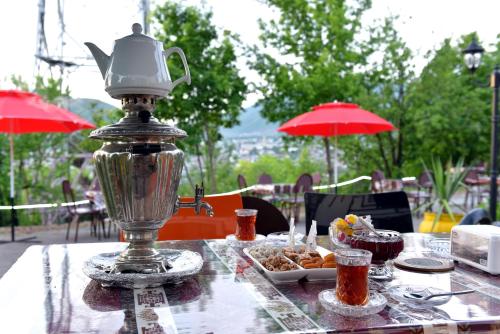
352, 275
352, 284
245, 224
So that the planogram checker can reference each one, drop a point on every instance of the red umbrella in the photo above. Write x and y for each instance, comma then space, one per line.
23, 112
335, 119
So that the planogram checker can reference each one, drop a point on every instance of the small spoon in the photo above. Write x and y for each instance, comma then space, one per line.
369, 226
414, 295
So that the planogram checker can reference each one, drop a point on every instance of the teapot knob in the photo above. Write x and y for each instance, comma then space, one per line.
136, 28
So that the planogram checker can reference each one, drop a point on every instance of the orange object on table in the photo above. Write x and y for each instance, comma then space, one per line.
186, 225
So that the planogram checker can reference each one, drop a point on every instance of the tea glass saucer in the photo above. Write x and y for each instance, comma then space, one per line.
234, 242
376, 303
398, 292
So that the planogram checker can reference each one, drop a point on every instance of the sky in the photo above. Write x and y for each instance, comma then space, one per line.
423, 24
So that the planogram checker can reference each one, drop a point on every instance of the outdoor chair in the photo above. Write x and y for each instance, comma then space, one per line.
75, 212
242, 182
422, 192
293, 204
475, 217
186, 225
269, 218
265, 179
316, 179
377, 182
97, 200
389, 210
473, 188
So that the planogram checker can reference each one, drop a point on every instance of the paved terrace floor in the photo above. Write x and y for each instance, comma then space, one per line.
10, 252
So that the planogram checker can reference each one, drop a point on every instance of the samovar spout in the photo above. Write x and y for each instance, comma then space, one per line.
197, 204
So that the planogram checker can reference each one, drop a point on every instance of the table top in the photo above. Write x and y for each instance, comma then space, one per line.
46, 292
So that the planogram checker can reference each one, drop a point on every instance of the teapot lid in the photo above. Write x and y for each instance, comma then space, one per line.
136, 34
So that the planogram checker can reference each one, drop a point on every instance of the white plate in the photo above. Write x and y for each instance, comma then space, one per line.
301, 273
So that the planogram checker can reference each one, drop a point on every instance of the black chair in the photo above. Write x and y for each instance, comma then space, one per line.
389, 210
475, 217
269, 218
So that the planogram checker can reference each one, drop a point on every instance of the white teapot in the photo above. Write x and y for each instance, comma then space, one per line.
138, 66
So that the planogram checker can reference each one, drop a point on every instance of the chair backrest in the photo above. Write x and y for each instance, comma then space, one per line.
186, 225
265, 179
242, 182
69, 196
472, 175
95, 185
286, 189
425, 179
377, 183
476, 216
304, 183
269, 218
316, 178
389, 210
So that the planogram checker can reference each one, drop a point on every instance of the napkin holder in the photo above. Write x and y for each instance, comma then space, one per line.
477, 246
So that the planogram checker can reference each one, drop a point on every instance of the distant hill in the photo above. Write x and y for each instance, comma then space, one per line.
252, 124
85, 107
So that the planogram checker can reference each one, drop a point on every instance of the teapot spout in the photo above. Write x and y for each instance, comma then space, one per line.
100, 57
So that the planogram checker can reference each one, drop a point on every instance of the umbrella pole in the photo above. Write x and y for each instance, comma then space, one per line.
335, 163
326, 141
13, 214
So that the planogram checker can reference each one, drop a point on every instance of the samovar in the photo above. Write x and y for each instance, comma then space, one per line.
139, 167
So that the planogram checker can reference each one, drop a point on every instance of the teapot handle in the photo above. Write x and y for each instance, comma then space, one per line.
187, 76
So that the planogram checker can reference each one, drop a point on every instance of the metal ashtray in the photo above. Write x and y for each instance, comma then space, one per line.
184, 264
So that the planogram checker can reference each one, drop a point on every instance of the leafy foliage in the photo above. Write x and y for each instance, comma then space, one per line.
446, 181
385, 86
282, 170
448, 110
217, 91
318, 56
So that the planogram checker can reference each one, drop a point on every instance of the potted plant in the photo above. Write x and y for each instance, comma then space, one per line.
446, 181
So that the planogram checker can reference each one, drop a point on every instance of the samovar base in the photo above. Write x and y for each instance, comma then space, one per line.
140, 257
108, 271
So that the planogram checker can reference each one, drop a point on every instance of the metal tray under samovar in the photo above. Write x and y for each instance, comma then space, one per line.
139, 170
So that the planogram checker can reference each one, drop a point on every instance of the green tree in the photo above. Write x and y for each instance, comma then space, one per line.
449, 113
217, 91
385, 87
319, 55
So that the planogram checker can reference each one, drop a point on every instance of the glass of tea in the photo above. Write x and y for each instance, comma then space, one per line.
385, 246
245, 224
352, 275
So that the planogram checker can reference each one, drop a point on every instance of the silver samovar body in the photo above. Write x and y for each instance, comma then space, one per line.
139, 167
